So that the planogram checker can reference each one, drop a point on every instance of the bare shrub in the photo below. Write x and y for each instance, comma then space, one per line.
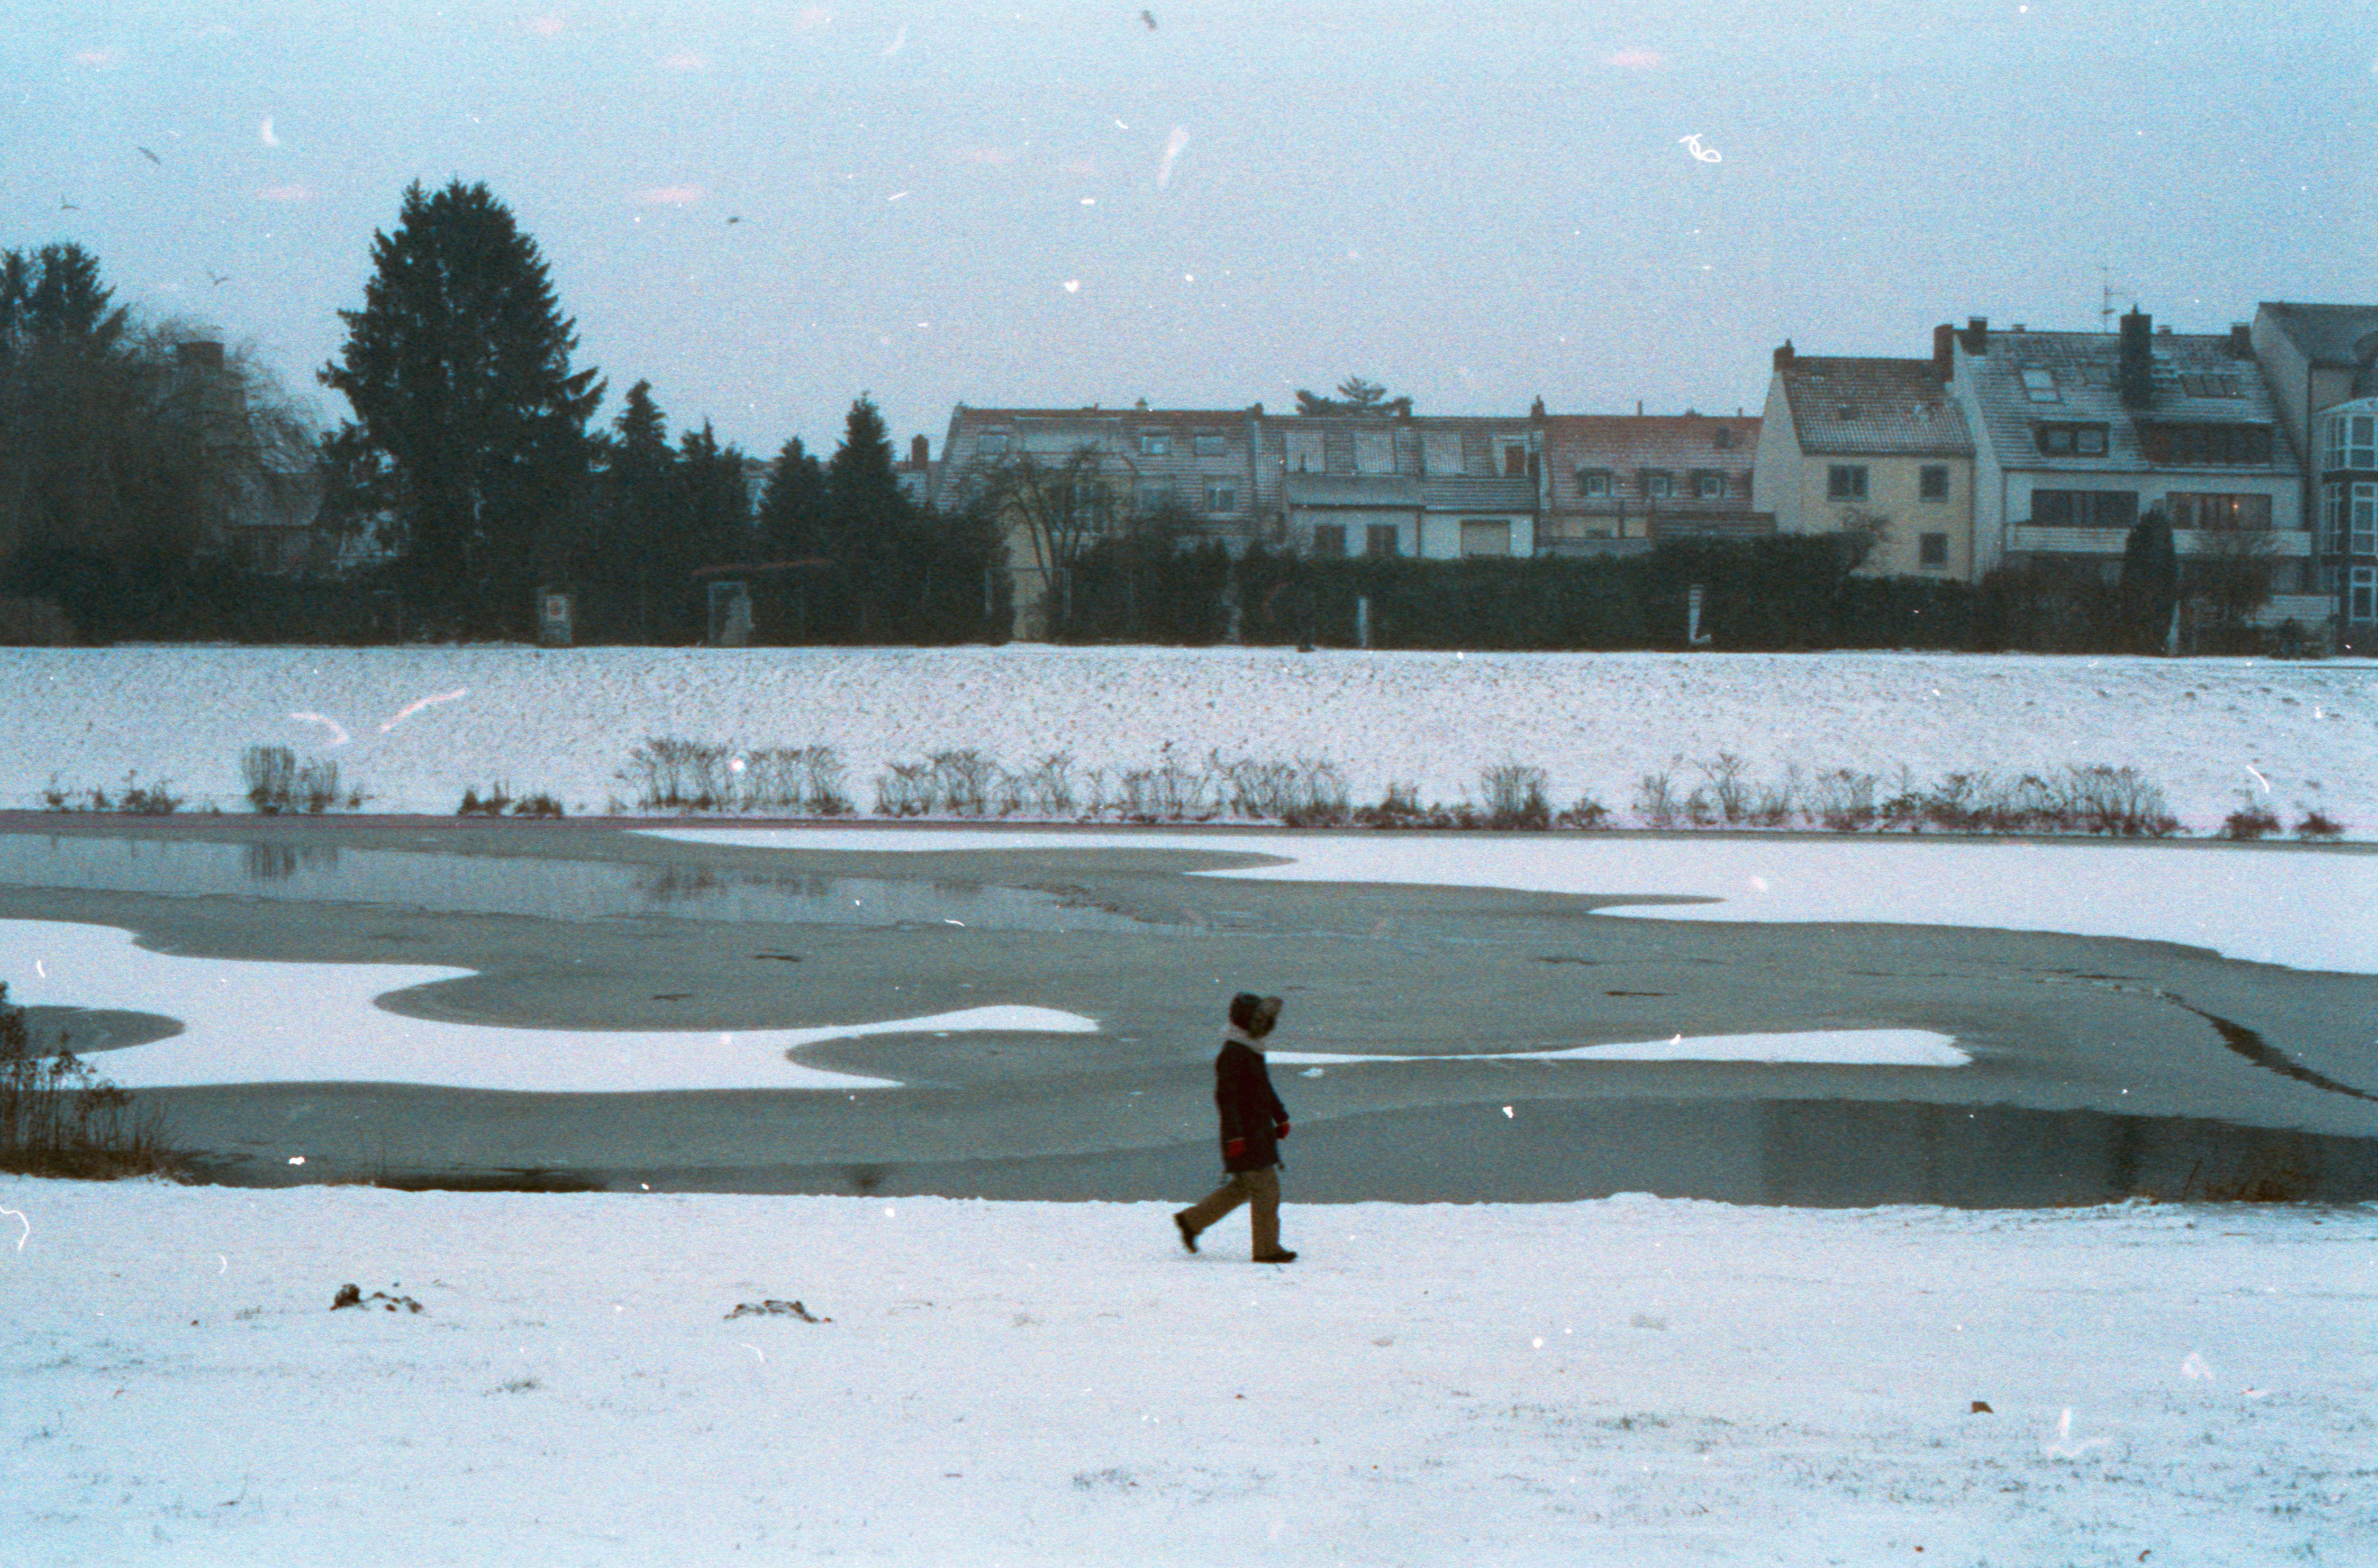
1727, 793
2248, 822
271, 774
60, 1119
1587, 813
316, 787
822, 780
963, 782
1515, 796
905, 789
2318, 825
1843, 800
1656, 805
2118, 802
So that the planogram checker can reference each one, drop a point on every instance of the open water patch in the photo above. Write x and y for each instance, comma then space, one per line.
538, 887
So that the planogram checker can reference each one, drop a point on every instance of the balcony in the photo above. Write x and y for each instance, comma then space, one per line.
2028, 540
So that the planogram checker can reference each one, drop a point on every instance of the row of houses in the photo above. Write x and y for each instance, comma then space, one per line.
2004, 447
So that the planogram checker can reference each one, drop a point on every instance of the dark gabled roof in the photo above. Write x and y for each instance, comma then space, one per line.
2335, 335
2086, 369
1872, 406
1630, 444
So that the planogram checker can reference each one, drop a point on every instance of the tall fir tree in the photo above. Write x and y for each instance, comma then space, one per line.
792, 507
869, 519
638, 490
457, 367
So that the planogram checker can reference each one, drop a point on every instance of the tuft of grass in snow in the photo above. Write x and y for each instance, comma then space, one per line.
59, 1118
671, 774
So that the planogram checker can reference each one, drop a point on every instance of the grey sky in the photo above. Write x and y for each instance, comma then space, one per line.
1474, 204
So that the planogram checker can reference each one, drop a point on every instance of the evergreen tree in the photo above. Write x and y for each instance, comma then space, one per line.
867, 520
714, 500
458, 368
792, 507
637, 506
2150, 583
1356, 399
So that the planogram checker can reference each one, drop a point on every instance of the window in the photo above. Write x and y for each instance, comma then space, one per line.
1486, 536
1221, 495
1210, 446
1932, 482
991, 444
2178, 445
2212, 386
1932, 550
1515, 461
2351, 442
1594, 483
1659, 483
1155, 495
1709, 484
2039, 386
1305, 451
1374, 451
1441, 451
1154, 444
1379, 539
2085, 508
2361, 602
2072, 440
1845, 482
1330, 539
2362, 537
2196, 510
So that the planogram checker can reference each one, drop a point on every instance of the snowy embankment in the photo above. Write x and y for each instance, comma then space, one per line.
414, 728
1629, 1381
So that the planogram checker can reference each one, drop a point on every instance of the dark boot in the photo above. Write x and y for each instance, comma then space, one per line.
1282, 1256
1188, 1236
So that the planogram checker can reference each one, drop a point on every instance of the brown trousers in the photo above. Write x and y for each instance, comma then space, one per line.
1259, 1189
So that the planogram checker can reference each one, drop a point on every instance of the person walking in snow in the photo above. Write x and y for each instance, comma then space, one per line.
1254, 1122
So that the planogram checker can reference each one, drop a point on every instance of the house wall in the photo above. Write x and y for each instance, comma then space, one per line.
1775, 462
1894, 492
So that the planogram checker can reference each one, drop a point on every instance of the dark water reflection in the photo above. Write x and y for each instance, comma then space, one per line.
1818, 1154
543, 889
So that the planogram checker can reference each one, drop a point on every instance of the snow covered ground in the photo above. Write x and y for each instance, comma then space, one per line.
415, 726
1631, 1380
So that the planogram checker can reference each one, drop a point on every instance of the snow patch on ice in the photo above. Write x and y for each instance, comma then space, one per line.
256, 1022
1848, 1048
2225, 897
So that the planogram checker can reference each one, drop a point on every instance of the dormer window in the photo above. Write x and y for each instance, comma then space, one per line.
1708, 484
1722, 437
2212, 386
991, 444
2039, 386
2072, 440
1211, 445
1659, 483
1154, 444
1594, 483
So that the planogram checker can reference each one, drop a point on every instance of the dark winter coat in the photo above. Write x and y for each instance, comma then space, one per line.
1243, 1093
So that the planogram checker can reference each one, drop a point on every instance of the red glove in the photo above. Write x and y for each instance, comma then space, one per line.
1234, 1148
1281, 1130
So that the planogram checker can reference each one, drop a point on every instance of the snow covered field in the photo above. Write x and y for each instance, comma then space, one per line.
416, 726
1632, 1380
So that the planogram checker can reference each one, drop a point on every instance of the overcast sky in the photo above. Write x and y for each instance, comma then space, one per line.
1061, 203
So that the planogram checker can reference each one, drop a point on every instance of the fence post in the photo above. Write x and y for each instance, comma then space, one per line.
1361, 620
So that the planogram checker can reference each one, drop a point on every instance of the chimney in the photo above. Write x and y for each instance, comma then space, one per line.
1978, 334
2242, 341
1638, 408
1945, 352
2133, 379
921, 452
1784, 355
1536, 409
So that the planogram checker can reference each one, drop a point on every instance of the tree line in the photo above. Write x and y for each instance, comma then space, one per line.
474, 473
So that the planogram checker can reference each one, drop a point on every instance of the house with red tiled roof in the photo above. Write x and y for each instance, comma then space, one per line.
1871, 444
1615, 484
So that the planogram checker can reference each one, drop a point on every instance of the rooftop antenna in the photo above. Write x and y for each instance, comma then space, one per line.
2106, 292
